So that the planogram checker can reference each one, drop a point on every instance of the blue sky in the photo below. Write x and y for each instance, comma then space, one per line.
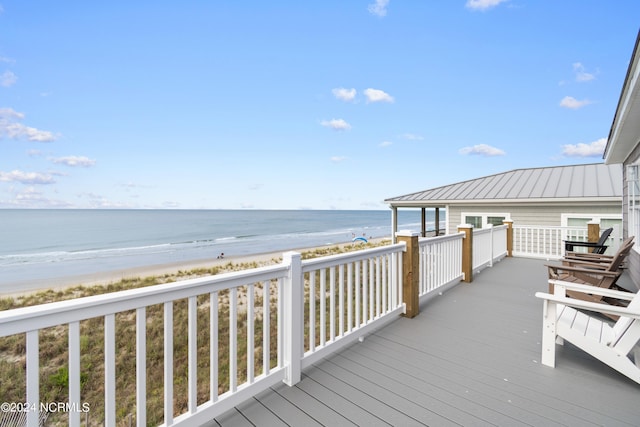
297, 104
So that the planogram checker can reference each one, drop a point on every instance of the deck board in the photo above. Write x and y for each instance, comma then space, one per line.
471, 357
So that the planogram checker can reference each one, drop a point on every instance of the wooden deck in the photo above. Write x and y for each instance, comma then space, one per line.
471, 358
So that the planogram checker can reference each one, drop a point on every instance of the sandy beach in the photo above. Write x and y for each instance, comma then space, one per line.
103, 278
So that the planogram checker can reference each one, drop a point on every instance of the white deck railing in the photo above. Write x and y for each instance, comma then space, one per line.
489, 245
544, 242
440, 262
280, 318
363, 292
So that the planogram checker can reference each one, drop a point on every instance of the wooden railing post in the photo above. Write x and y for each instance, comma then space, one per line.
467, 252
410, 272
509, 224
293, 318
593, 232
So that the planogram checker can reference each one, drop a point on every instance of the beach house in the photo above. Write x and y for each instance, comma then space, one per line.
565, 196
623, 147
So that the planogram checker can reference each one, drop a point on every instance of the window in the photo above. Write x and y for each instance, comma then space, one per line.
495, 220
481, 220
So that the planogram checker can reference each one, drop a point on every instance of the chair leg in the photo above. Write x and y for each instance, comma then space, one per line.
549, 334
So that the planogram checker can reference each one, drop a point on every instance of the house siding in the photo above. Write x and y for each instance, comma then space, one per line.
543, 215
634, 255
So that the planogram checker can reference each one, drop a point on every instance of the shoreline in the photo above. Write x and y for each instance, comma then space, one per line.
117, 275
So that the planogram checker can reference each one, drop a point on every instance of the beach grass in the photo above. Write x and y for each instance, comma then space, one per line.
54, 345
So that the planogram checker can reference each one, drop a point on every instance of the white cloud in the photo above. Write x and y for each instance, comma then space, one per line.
74, 161
29, 197
412, 137
8, 79
378, 8
336, 124
344, 94
19, 131
483, 4
385, 144
482, 150
10, 126
572, 103
26, 177
593, 149
376, 95
10, 114
338, 159
7, 60
581, 75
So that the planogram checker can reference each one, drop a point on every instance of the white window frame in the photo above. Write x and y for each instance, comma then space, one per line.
485, 215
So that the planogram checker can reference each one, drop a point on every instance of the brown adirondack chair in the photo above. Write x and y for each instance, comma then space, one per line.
600, 260
598, 274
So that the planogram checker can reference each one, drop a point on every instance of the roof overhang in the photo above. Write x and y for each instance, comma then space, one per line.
581, 201
624, 134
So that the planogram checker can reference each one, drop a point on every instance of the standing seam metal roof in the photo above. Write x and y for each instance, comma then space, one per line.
596, 180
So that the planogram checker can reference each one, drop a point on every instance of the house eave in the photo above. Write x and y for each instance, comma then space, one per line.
493, 202
625, 129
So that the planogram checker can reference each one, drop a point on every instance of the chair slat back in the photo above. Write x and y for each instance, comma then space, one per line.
600, 248
620, 256
626, 330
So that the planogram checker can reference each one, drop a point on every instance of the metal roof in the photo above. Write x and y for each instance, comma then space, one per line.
587, 182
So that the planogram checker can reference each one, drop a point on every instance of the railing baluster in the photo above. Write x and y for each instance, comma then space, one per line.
312, 311
332, 304
213, 346
378, 288
168, 363
33, 378
350, 297
365, 291
233, 339
141, 367
280, 322
266, 328
74, 373
323, 307
372, 291
341, 300
192, 354
250, 335
110, 370
357, 291
386, 281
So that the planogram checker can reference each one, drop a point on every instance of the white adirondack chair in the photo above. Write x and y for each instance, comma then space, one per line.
616, 345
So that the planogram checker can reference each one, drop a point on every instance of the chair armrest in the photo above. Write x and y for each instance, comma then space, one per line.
591, 306
589, 256
583, 270
587, 289
584, 263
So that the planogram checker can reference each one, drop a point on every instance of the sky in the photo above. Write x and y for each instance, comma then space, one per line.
285, 104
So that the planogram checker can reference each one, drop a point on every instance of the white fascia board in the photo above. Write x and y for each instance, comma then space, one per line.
443, 203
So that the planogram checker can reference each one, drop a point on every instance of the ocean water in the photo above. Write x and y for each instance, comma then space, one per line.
44, 245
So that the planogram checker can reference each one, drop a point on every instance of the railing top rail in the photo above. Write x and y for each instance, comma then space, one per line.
426, 240
331, 260
25, 319
550, 227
